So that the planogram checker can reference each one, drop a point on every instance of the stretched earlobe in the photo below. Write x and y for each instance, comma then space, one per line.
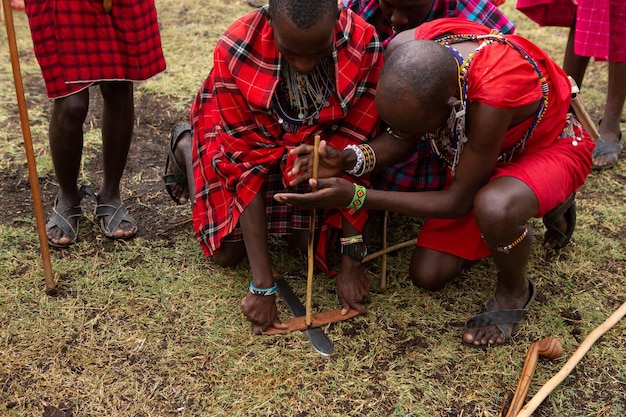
453, 102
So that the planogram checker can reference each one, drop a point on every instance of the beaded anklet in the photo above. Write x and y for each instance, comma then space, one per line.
506, 249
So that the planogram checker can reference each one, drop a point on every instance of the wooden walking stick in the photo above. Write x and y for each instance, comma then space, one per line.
311, 243
28, 146
549, 348
584, 347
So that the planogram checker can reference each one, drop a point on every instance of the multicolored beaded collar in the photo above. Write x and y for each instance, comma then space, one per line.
447, 142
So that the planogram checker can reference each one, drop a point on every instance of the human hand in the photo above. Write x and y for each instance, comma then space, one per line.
330, 162
261, 312
331, 193
352, 286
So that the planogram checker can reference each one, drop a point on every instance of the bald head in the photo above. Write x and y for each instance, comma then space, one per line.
423, 70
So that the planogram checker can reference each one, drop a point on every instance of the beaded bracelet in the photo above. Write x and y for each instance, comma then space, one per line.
359, 197
360, 159
263, 291
369, 159
351, 239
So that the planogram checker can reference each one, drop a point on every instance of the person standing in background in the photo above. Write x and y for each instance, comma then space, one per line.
598, 31
79, 44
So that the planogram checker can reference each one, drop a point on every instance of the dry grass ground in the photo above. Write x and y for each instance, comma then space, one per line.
151, 328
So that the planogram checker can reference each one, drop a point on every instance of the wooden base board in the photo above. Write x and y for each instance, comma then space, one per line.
317, 320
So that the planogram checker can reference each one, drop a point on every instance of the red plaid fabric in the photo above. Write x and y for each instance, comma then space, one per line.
600, 29
238, 139
77, 43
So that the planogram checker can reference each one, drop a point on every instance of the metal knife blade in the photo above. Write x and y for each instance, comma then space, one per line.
318, 339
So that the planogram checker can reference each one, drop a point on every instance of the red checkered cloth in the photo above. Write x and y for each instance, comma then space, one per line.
77, 43
238, 140
600, 28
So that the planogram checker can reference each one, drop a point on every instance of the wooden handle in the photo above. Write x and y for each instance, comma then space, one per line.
584, 347
30, 153
549, 348
311, 241
581, 112
107, 4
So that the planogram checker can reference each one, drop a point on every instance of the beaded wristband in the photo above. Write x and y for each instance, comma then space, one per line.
359, 197
263, 291
351, 239
369, 159
360, 159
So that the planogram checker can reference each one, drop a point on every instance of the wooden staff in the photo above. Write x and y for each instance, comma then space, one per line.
383, 263
28, 146
549, 348
584, 347
311, 246
389, 249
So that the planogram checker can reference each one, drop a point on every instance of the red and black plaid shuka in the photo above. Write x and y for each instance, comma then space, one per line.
77, 43
240, 148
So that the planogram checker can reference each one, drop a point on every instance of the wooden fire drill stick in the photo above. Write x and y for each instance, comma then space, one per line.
584, 347
311, 241
549, 348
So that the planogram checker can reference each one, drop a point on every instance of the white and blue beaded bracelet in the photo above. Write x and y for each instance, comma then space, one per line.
263, 291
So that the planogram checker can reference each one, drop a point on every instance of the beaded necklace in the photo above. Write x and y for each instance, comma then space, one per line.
304, 94
447, 143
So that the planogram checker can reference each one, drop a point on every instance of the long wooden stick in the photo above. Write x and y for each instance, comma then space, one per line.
388, 249
584, 347
383, 263
549, 348
28, 146
311, 245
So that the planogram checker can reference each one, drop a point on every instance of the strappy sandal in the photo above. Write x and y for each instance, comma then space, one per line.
116, 215
178, 175
550, 220
505, 320
61, 220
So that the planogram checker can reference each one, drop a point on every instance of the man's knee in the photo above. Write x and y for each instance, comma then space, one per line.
432, 270
230, 254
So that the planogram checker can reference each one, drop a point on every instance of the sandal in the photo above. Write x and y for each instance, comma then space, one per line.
61, 220
503, 319
610, 150
551, 218
116, 215
178, 175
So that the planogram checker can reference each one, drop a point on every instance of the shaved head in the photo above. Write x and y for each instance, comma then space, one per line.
416, 84
423, 69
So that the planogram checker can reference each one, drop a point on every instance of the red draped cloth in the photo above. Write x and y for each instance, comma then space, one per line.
240, 148
77, 43
555, 160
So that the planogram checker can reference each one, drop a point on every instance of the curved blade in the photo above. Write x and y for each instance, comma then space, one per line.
318, 339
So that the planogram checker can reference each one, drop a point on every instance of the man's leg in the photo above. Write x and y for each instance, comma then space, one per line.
117, 131
66, 146
610, 131
502, 209
574, 65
